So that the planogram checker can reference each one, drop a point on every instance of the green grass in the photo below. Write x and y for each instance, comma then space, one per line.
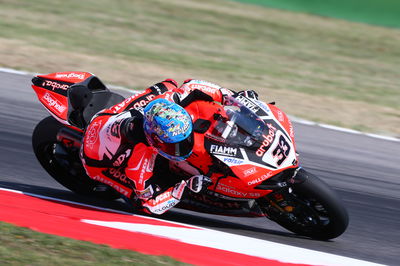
378, 12
278, 53
21, 246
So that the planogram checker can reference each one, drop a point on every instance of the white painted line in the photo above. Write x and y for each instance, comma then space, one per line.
14, 71
382, 137
12, 190
302, 121
293, 119
342, 129
236, 243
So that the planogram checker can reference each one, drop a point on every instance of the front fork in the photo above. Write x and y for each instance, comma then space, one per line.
280, 201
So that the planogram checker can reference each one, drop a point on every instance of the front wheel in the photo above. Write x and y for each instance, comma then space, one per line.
310, 209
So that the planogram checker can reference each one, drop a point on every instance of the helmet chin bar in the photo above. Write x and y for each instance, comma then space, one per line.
176, 151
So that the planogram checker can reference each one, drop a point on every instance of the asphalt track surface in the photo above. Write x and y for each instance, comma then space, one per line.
365, 171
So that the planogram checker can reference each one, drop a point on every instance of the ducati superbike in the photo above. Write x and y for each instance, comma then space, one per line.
245, 146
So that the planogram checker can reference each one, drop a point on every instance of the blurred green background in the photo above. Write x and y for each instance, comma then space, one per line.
379, 12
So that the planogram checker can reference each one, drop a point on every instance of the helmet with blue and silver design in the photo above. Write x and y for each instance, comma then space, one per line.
168, 128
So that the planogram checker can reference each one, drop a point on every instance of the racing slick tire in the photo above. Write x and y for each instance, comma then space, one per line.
63, 163
314, 210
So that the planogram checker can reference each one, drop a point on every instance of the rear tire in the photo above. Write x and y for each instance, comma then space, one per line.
317, 210
66, 169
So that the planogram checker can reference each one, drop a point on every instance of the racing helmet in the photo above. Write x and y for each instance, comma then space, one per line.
168, 128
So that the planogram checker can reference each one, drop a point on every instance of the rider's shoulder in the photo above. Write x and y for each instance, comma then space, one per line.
192, 84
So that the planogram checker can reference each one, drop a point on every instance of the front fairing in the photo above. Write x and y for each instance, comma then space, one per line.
252, 140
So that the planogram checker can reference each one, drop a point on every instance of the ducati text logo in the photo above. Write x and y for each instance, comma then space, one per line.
205, 88
137, 104
117, 175
222, 150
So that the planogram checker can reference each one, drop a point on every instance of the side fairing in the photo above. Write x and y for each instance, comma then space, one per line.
271, 152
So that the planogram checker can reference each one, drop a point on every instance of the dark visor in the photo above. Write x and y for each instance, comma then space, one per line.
179, 149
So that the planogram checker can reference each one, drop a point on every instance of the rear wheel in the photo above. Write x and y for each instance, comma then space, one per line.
310, 208
63, 163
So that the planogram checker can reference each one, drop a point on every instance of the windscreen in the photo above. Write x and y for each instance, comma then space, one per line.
240, 126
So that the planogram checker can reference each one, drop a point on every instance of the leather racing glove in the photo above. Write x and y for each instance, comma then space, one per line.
196, 184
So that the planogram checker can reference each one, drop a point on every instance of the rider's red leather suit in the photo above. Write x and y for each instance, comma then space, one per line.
133, 168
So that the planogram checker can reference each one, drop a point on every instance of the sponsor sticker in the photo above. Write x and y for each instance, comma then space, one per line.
268, 139
291, 131
281, 117
163, 197
203, 88
232, 161
145, 194
143, 171
226, 92
233, 192
165, 207
54, 103
248, 103
71, 75
118, 176
223, 150
92, 134
54, 85
260, 179
249, 171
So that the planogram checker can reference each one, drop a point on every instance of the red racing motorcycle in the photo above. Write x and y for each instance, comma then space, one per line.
246, 147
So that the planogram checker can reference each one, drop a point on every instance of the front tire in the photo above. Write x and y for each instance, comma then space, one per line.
63, 163
309, 208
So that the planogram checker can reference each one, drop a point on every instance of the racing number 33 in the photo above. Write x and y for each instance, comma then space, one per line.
280, 152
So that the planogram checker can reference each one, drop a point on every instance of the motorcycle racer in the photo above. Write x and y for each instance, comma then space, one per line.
160, 147
122, 144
